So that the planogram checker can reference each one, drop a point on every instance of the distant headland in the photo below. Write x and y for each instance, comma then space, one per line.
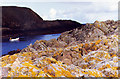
19, 21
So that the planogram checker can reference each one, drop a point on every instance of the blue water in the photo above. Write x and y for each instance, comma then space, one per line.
9, 46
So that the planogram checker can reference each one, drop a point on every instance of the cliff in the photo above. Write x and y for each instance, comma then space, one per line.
17, 21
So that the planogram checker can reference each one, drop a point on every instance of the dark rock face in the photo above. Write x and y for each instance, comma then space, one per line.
18, 21
20, 18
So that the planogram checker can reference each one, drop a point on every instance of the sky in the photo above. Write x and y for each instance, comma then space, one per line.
83, 12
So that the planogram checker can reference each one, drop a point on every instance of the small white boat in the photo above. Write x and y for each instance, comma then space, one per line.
12, 40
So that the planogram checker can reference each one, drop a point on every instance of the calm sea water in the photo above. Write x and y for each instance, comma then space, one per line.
25, 41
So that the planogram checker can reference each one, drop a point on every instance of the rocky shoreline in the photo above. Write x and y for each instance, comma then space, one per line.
23, 21
90, 51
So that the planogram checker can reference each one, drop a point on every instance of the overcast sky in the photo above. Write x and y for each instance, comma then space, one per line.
83, 12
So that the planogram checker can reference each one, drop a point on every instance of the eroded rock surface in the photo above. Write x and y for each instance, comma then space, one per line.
90, 51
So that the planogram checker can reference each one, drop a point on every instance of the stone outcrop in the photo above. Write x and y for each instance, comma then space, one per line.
18, 21
93, 53
90, 32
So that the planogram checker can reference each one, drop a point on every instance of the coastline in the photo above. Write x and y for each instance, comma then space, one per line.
23, 42
90, 51
31, 23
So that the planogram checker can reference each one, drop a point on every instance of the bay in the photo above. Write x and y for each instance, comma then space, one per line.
8, 46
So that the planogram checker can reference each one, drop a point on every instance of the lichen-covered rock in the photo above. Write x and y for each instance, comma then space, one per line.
91, 51
91, 32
